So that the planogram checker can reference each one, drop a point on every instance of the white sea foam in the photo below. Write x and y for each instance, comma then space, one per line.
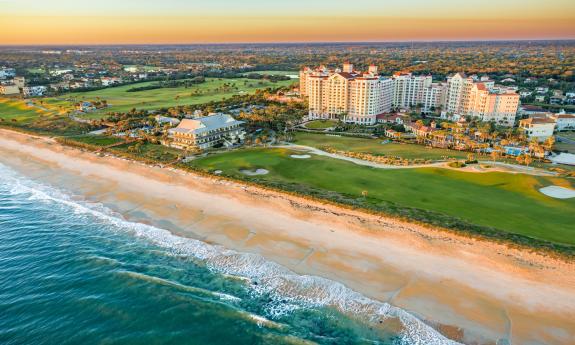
288, 290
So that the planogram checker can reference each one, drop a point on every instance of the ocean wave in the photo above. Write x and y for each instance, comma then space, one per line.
288, 291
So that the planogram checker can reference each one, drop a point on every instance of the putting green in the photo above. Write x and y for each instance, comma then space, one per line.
508, 202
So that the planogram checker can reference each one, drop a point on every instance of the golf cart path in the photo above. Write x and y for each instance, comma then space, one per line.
504, 167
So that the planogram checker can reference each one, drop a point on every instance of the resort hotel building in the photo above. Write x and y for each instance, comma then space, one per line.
480, 98
353, 96
359, 97
206, 132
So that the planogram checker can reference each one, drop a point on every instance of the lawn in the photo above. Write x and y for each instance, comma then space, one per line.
122, 101
321, 124
376, 146
508, 202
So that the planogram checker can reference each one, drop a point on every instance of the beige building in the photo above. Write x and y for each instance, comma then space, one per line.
482, 99
9, 90
206, 132
357, 97
491, 105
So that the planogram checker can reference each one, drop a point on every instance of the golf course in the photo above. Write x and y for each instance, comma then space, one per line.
506, 202
119, 99
375, 146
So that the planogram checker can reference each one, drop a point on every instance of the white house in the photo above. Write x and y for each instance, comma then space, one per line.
34, 91
539, 128
107, 81
168, 120
524, 94
564, 122
6, 73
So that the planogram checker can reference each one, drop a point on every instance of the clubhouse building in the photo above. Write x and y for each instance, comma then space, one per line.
206, 132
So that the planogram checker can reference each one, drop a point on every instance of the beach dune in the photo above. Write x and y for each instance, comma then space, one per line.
471, 290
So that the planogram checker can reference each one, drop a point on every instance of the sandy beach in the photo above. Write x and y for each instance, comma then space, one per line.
473, 291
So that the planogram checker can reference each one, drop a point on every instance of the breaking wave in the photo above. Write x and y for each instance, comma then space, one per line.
288, 291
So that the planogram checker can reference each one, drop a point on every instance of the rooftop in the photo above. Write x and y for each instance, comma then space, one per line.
205, 124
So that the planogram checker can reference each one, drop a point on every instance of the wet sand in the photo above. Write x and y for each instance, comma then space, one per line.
472, 290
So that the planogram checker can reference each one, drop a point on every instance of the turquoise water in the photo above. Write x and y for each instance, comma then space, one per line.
73, 272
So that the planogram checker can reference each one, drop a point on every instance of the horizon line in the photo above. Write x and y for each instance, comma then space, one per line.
294, 42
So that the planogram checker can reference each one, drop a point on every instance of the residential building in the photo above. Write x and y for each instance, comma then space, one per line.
107, 81
206, 132
531, 109
434, 97
19, 81
355, 96
495, 105
538, 128
167, 120
397, 119
469, 96
34, 91
6, 73
9, 90
455, 89
420, 131
563, 122
408, 90
525, 94
61, 86
85, 107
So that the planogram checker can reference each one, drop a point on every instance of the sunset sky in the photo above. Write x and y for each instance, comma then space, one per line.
210, 21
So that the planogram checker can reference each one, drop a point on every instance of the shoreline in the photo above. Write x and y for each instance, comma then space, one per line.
429, 272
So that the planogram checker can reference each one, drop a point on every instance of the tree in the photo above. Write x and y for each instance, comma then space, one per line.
549, 143
527, 160
495, 154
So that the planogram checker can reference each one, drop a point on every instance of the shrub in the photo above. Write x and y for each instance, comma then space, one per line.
457, 164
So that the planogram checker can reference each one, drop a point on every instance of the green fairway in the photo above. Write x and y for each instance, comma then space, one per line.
508, 202
283, 73
321, 124
19, 111
119, 100
375, 146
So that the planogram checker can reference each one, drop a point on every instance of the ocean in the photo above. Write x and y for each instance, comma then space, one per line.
74, 272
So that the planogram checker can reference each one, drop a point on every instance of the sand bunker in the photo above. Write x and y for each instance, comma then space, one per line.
254, 172
558, 192
300, 156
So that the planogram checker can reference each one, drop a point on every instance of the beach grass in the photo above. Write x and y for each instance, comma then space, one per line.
376, 146
149, 152
494, 201
96, 140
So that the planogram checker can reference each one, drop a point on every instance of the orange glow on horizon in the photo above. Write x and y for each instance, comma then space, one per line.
228, 29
